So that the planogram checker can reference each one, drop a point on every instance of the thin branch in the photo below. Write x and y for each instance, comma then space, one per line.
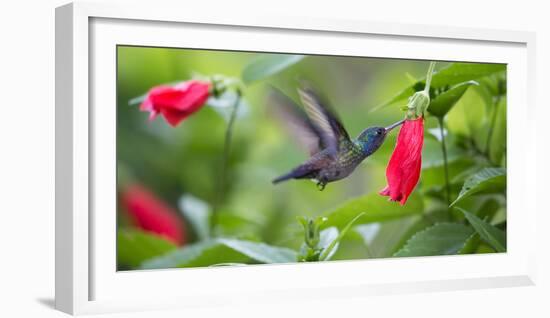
429, 77
445, 161
492, 126
225, 158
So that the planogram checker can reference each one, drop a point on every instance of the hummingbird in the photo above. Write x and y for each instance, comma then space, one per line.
334, 155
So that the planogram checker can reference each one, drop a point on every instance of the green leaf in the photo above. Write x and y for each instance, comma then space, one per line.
488, 180
487, 209
134, 247
228, 264
494, 85
490, 234
137, 100
471, 245
394, 234
497, 147
260, 252
484, 92
467, 116
198, 214
266, 65
328, 236
440, 239
451, 75
499, 216
463, 72
442, 103
333, 246
230, 224
222, 250
376, 208
199, 254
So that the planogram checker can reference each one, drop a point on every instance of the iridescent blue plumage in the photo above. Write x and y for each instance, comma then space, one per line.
334, 155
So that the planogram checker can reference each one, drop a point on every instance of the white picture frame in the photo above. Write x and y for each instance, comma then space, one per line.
86, 278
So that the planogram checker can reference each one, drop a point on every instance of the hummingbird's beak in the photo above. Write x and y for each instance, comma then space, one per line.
390, 127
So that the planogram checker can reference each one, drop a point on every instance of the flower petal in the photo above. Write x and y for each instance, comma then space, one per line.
403, 170
176, 103
174, 117
194, 97
153, 215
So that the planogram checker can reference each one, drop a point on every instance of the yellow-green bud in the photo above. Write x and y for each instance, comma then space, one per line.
417, 105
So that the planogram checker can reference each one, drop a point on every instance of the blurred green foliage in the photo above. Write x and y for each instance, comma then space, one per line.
256, 222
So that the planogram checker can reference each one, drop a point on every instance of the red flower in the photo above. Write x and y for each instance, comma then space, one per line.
403, 170
175, 103
153, 215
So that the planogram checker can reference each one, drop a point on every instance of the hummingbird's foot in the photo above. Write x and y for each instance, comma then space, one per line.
321, 185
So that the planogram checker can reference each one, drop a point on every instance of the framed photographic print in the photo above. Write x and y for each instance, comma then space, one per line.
280, 159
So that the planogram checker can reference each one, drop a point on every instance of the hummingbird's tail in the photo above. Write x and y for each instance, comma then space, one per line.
284, 177
300, 172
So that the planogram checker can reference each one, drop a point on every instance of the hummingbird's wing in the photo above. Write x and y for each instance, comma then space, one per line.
330, 129
295, 120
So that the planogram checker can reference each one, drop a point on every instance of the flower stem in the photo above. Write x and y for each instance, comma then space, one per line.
225, 158
442, 131
429, 77
492, 127
445, 161
420, 101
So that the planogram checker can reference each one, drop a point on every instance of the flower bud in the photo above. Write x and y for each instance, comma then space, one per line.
417, 104
175, 103
312, 228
